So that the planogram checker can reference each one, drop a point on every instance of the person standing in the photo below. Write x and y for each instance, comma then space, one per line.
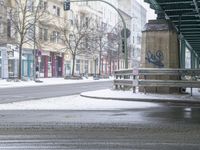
37, 72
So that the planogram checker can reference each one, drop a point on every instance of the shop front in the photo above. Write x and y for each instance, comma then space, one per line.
27, 63
50, 64
57, 64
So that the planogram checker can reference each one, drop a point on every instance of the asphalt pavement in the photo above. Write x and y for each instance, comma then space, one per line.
165, 127
8, 95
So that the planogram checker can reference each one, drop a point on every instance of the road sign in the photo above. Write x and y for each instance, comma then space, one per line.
135, 71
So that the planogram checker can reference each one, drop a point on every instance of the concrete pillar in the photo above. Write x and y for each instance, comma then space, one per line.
160, 49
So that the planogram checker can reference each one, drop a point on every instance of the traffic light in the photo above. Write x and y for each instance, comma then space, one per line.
67, 5
123, 46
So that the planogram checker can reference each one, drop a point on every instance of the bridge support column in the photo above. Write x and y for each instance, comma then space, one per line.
160, 49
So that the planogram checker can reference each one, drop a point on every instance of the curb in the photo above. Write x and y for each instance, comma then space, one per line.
186, 101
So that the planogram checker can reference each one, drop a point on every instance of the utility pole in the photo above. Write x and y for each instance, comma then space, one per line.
67, 3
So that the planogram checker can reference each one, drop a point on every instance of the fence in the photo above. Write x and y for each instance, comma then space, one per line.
132, 78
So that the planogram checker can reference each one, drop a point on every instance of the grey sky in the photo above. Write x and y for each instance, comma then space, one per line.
150, 12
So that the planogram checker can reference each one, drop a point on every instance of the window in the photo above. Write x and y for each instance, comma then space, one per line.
45, 34
45, 5
58, 11
1, 27
30, 5
54, 10
86, 43
86, 66
9, 28
55, 37
87, 22
71, 22
78, 65
138, 40
30, 32
40, 33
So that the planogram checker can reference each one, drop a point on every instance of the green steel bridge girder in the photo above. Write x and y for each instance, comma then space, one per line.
185, 15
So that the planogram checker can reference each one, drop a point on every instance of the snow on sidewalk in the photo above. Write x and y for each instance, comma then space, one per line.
129, 95
128, 100
75, 103
46, 81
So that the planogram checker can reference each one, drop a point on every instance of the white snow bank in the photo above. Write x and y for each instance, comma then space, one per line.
46, 81
75, 103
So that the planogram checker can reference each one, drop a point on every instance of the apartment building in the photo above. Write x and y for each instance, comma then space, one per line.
107, 20
86, 60
45, 48
135, 18
3, 38
139, 21
48, 46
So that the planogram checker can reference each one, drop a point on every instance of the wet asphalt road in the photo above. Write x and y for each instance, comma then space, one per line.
38, 92
162, 127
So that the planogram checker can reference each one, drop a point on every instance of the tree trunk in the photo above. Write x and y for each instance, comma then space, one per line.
100, 62
20, 63
100, 56
118, 52
73, 63
110, 63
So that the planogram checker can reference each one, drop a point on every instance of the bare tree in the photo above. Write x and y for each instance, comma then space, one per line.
23, 17
115, 38
75, 35
3, 19
100, 38
109, 43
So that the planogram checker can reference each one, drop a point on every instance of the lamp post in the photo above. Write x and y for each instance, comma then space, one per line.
123, 21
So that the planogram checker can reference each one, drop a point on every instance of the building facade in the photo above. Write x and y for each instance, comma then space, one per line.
44, 46
135, 17
3, 39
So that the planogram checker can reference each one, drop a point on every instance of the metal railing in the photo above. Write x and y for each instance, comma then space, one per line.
151, 77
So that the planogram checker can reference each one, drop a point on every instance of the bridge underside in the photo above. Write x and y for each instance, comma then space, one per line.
185, 15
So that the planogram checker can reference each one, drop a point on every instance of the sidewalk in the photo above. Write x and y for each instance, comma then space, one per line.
45, 81
129, 96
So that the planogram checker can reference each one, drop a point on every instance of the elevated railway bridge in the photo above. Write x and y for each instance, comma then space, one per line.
185, 16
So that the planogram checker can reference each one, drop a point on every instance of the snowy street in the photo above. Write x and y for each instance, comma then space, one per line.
53, 115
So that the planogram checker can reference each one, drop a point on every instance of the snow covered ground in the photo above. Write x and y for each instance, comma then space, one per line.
46, 81
75, 102
128, 100
129, 95
123, 99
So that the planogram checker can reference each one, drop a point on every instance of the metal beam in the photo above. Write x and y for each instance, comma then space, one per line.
174, 3
196, 7
178, 9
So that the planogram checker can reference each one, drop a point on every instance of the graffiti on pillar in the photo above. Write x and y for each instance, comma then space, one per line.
155, 58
